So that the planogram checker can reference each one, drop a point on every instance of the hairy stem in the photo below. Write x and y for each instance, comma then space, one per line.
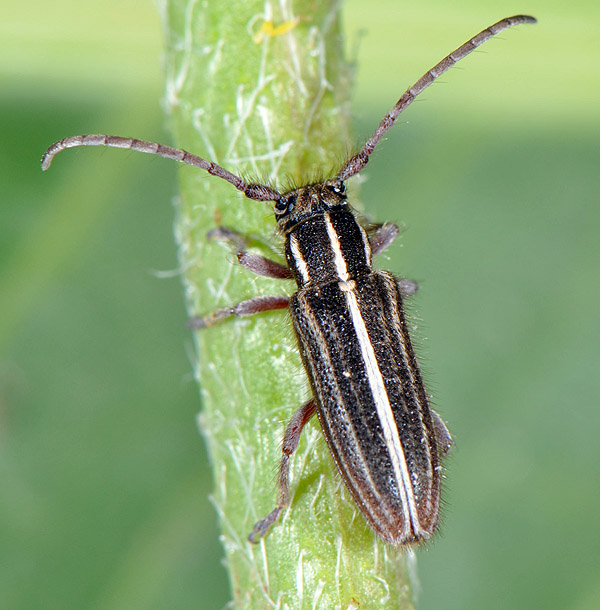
262, 89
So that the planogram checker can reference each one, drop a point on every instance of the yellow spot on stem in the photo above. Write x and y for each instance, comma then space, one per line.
268, 29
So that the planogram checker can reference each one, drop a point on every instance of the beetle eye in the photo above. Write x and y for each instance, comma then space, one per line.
291, 202
286, 204
338, 188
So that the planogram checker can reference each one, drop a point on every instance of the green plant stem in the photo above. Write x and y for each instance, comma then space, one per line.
272, 107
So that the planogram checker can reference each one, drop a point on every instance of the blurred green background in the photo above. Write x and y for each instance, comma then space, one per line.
495, 174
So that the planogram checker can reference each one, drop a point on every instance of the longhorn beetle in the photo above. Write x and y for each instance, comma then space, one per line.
352, 333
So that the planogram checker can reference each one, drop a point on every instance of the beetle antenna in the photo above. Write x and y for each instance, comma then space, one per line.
357, 162
258, 192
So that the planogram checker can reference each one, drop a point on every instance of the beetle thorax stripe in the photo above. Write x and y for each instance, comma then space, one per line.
301, 265
336, 249
377, 385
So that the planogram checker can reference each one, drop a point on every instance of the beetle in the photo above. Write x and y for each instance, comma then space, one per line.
352, 332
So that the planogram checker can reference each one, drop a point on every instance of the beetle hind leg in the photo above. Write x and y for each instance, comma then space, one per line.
443, 437
290, 444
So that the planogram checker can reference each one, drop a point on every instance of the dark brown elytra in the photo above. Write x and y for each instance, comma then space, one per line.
407, 513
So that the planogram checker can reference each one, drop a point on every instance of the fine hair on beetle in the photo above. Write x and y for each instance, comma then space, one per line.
351, 328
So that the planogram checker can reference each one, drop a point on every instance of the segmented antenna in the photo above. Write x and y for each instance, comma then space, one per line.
258, 192
357, 162
262, 192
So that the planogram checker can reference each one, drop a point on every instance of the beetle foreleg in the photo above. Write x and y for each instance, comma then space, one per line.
256, 263
383, 237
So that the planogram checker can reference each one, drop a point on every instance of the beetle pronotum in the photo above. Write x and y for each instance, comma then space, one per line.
352, 333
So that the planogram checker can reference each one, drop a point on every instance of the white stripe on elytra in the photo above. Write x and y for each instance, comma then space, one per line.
380, 396
300, 262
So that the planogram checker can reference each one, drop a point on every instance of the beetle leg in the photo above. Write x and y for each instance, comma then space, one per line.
241, 310
256, 263
383, 237
290, 444
263, 266
407, 287
444, 440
